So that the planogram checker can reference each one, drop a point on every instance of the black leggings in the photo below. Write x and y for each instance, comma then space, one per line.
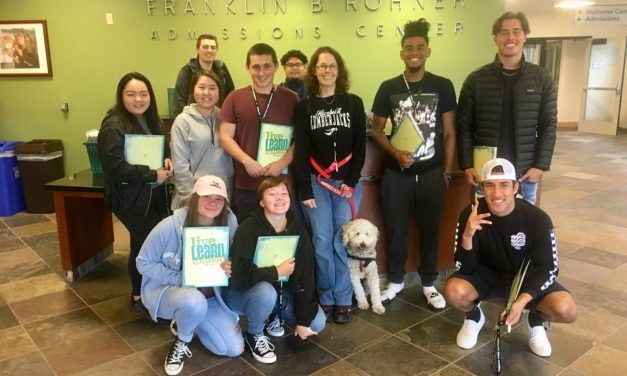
139, 226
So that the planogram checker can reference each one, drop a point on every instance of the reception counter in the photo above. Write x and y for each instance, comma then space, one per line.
84, 223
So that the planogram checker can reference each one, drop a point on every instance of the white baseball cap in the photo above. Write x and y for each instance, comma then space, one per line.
210, 185
505, 172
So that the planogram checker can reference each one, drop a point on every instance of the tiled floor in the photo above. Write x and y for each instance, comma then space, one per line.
50, 327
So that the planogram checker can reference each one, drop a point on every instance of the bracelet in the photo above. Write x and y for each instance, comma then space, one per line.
447, 176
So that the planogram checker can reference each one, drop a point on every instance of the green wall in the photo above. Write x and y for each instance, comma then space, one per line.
88, 56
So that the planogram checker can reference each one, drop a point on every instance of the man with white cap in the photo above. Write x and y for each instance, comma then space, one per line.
494, 237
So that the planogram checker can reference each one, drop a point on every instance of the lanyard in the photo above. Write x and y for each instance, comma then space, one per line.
261, 117
411, 94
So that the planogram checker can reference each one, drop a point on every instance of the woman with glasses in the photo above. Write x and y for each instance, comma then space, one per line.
195, 143
330, 139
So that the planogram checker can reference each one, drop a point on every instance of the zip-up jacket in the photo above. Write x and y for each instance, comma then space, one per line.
480, 108
127, 187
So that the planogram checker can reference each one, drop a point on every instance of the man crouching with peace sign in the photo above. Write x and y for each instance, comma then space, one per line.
493, 238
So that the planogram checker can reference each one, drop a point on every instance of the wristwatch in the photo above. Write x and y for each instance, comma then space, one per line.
447, 176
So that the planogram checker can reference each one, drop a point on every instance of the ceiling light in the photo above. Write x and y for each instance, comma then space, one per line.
571, 3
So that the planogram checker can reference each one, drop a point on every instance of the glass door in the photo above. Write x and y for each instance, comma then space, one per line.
601, 97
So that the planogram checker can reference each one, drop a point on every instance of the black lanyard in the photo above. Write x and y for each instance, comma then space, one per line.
265, 112
411, 94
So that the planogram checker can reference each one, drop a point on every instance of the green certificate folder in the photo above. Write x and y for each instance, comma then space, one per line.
145, 150
407, 136
204, 249
274, 141
482, 154
273, 250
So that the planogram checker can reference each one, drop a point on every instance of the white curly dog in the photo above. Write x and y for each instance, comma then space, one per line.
360, 238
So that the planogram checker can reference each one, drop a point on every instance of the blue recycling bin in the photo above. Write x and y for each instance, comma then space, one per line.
11, 194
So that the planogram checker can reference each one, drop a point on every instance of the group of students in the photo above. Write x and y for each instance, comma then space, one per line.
211, 158
214, 142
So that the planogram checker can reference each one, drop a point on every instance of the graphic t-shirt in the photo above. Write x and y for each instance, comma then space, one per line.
419, 107
328, 130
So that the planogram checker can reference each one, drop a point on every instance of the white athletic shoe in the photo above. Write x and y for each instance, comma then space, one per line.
468, 334
538, 341
390, 293
435, 300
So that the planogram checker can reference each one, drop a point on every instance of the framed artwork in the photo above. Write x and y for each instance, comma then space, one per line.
25, 50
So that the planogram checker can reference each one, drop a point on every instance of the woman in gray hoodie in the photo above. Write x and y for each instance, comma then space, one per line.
195, 145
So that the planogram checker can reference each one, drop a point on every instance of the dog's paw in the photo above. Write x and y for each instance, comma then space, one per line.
363, 304
378, 309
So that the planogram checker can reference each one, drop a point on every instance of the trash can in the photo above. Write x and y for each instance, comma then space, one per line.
40, 162
11, 195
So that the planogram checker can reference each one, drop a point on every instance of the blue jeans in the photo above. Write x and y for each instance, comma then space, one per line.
528, 190
256, 304
332, 211
217, 328
287, 312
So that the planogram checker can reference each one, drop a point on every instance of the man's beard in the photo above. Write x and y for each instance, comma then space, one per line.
415, 69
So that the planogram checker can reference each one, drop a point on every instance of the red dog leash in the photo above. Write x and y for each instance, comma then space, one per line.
326, 173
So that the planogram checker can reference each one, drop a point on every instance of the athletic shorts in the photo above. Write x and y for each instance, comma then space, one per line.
492, 285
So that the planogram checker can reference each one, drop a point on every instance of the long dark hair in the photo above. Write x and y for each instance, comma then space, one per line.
151, 114
196, 77
342, 84
191, 220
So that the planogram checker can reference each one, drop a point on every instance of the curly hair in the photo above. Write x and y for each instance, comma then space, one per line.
293, 53
418, 28
342, 83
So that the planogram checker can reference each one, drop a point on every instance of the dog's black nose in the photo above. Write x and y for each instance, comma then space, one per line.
362, 245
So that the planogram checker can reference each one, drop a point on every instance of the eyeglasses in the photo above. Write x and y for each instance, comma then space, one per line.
324, 67
294, 65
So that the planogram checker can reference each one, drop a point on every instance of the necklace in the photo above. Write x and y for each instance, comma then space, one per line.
329, 102
512, 74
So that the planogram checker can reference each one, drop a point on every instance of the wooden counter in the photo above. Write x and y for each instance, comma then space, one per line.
84, 223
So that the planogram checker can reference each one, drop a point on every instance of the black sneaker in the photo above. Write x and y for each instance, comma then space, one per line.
138, 307
328, 312
176, 358
342, 314
261, 348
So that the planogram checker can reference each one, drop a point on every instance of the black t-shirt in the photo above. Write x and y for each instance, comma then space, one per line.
507, 138
429, 99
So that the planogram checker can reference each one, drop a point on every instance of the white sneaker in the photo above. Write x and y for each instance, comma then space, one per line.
275, 327
538, 341
467, 335
435, 300
390, 293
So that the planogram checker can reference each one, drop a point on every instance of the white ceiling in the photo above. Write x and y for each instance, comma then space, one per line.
529, 6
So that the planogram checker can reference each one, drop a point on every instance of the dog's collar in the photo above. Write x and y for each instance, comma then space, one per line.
363, 261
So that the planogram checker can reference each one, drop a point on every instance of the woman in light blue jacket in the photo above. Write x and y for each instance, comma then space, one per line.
196, 310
